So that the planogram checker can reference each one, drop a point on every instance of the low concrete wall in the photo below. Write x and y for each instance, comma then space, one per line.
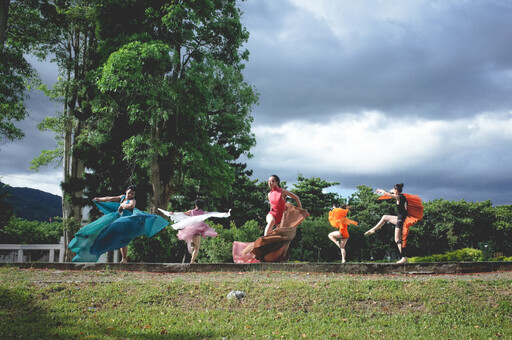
347, 268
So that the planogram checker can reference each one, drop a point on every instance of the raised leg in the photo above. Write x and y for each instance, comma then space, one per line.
386, 218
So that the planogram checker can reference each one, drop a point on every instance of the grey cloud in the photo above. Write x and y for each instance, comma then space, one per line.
449, 61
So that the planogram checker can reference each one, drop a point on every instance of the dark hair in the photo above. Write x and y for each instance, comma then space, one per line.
346, 206
277, 180
200, 204
399, 187
132, 187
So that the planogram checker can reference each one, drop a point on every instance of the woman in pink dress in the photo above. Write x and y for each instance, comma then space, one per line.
192, 233
277, 198
274, 245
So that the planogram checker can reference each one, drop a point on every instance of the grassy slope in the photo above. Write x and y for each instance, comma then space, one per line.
53, 304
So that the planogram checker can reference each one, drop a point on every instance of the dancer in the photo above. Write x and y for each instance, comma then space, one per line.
274, 245
192, 229
121, 223
338, 219
410, 211
277, 198
127, 202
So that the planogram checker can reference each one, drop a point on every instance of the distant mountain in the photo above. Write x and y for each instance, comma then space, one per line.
32, 204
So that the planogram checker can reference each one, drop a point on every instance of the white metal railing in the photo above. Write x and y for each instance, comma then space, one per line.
51, 247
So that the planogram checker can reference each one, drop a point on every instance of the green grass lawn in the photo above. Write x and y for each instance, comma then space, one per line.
51, 304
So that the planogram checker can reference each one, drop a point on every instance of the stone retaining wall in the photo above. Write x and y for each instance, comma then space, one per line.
347, 268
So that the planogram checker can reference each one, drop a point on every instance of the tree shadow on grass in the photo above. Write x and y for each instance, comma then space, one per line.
21, 317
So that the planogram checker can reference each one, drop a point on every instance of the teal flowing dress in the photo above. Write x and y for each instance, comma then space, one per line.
113, 231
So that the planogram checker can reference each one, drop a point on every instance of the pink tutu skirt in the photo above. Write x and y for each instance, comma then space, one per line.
187, 234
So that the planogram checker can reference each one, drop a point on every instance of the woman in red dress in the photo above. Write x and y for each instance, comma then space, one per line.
277, 198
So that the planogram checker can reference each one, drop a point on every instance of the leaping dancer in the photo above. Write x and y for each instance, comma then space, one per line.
410, 211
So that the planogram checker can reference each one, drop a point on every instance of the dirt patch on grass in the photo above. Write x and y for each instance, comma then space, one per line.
40, 276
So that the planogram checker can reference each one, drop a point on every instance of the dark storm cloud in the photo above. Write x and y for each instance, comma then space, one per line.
450, 60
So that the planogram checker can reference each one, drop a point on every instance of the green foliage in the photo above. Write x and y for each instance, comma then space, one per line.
25, 32
220, 249
174, 71
20, 231
461, 255
164, 247
311, 243
6, 209
247, 198
311, 192
502, 259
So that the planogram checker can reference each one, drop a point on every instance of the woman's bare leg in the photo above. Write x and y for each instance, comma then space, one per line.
124, 254
343, 242
271, 221
398, 240
196, 244
386, 218
248, 249
334, 236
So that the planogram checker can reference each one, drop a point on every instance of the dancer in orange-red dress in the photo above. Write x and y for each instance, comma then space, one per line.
277, 198
273, 246
338, 219
410, 211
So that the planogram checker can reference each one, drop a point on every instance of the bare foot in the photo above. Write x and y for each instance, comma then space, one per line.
343, 261
123, 261
402, 260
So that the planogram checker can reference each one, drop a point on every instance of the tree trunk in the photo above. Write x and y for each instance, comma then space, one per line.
4, 15
163, 186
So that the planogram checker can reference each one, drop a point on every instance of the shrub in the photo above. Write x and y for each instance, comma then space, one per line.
465, 255
220, 249
20, 231
502, 259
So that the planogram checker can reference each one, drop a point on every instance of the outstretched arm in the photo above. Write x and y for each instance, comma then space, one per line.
108, 198
384, 192
292, 195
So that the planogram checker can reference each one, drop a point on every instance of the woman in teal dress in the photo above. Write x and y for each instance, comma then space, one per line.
121, 223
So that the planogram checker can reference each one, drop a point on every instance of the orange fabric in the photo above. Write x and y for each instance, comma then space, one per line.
338, 219
405, 233
384, 197
414, 209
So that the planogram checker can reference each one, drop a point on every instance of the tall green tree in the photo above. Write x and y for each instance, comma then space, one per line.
6, 209
75, 54
313, 196
184, 90
22, 31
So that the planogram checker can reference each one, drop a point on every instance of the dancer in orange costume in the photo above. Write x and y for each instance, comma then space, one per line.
410, 211
338, 219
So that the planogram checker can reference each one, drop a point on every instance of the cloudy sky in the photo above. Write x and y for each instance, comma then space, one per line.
362, 92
